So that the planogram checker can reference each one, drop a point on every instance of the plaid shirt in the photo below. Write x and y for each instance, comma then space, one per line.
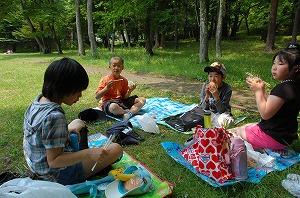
45, 127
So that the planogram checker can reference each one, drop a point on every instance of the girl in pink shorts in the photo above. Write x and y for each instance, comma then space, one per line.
279, 110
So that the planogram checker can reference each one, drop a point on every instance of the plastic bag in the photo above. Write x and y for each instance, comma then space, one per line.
262, 159
28, 188
148, 123
224, 120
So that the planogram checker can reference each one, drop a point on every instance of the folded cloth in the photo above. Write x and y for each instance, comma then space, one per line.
124, 133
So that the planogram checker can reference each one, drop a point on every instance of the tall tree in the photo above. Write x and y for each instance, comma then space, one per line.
219, 28
272, 26
203, 41
296, 23
89, 12
148, 33
126, 34
39, 36
55, 37
81, 50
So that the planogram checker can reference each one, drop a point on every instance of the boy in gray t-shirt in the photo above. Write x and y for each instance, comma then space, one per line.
215, 95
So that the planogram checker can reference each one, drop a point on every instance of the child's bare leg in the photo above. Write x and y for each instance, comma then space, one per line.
114, 152
240, 131
76, 125
115, 109
138, 104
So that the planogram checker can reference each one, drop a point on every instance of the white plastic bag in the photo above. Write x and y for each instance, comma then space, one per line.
222, 120
148, 123
28, 188
262, 159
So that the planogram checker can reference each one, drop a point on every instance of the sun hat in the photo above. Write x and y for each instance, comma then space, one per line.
116, 188
216, 67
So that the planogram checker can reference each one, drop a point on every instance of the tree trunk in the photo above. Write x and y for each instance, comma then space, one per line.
234, 27
162, 40
113, 38
197, 12
156, 38
226, 20
247, 25
219, 29
203, 43
46, 40
213, 21
296, 23
272, 26
236, 21
126, 34
39, 40
89, 13
186, 27
148, 33
81, 50
56, 39
176, 39
135, 34
124, 39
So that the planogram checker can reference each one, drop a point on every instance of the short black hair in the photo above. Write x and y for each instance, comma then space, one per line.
64, 77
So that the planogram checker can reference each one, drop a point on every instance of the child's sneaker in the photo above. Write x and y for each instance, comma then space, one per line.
127, 116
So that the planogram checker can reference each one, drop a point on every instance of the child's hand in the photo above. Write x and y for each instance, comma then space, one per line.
255, 83
212, 87
96, 154
131, 86
110, 84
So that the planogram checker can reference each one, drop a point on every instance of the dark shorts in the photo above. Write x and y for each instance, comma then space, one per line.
125, 104
71, 175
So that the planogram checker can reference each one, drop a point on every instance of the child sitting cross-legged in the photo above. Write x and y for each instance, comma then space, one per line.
114, 92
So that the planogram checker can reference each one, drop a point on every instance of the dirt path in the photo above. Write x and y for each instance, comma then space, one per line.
242, 99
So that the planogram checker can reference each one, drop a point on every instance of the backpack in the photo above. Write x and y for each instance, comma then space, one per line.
186, 121
124, 133
238, 159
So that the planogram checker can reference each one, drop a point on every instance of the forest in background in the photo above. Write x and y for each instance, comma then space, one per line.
57, 25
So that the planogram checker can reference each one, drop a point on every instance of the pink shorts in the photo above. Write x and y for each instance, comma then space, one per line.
259, 139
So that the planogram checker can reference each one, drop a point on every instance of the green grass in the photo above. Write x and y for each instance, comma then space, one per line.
21, 79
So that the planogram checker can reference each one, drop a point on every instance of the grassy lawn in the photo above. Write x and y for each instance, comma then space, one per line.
21, 80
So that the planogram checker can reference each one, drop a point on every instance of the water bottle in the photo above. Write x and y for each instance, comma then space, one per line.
207, 119
238, 159
74, 143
